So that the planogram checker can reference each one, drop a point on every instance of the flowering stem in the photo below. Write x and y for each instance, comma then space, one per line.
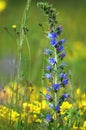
55, 78
55, 57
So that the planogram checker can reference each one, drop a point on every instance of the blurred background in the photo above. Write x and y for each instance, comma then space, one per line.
72, 16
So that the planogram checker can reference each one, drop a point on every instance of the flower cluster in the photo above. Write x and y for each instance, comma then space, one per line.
8, 114
55, 72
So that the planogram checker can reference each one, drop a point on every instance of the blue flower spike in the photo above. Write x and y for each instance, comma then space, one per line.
55, 67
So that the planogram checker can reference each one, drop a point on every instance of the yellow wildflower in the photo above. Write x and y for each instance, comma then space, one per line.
75, 128
8, 114
84, 96
65, 105
77, 92
38, 120
65, 118
43, 104
2, 5
82, 105
84, 125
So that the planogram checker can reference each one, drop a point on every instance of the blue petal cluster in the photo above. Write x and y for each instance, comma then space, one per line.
65, 96
48, 97
53, 42
52, 61
56, 87
63, 75
48, 67
57, 108
48, 76
65, 82
52, 35
48, 117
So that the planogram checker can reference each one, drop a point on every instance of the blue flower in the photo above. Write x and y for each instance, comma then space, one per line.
65, 96
59, 27
48, 76
48, 117
52, 35
48, 68
62, 41
52, 61
57, 108
53, 42
65, 82
63, 75
48, 97
48, 51
56, 87
60, 48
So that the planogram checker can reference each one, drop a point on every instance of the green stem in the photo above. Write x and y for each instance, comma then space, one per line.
55, 81
22, 35
28, 45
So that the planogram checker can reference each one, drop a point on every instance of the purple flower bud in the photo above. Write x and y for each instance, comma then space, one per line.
63, 75
65, 82
59, 27
62, 41
48, 97
53, 42
48, 76
60, 48
48, 68
65, 96
52, 35
52, 61
57, 108
49, 118
62, 55
56, 87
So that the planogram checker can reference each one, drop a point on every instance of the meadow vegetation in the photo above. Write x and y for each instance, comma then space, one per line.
42, 65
